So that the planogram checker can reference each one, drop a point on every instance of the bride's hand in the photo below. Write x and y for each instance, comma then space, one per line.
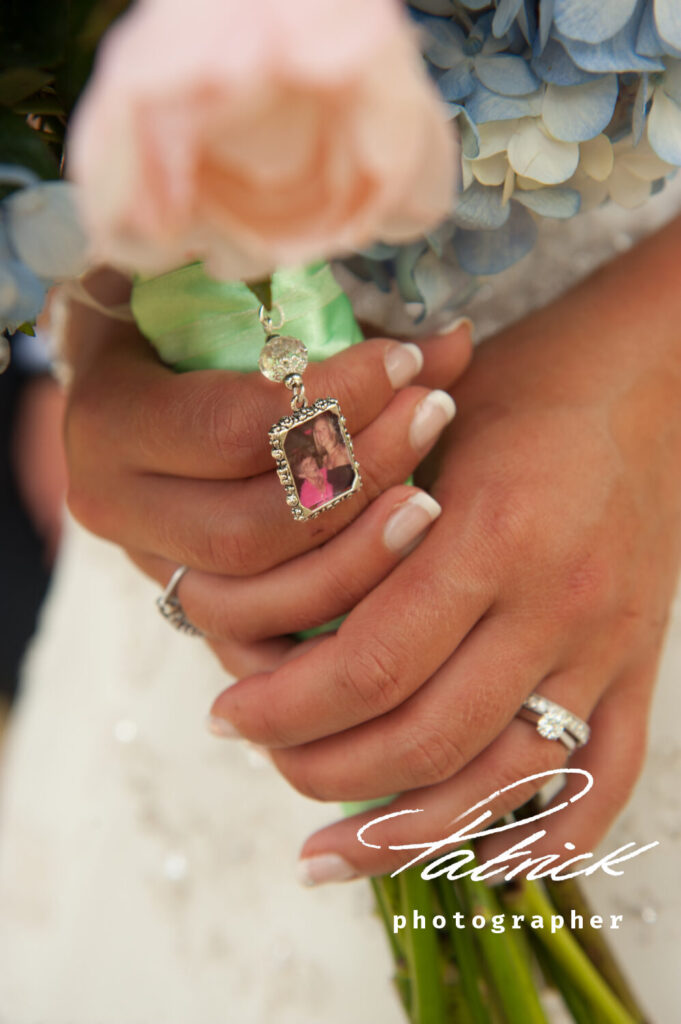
176, 468
551, 569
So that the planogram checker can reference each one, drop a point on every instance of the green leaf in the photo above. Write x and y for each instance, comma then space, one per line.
17, 84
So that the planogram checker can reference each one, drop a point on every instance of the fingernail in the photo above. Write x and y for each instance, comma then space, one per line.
430, 418
221, 727
409, 520
403, 361
460, 321
325, 867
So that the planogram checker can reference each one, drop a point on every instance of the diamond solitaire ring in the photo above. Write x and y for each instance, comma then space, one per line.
554, 722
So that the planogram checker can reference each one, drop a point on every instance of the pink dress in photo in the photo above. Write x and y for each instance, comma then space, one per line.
311, 496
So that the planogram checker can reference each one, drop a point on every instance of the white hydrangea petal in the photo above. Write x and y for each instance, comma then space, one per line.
509, 185
668, 21
575, 113
45, 229
527, 184
642, 161
626, 189
671, 82
592, 193
559, 202
466, 174
506, 74
592, 22
491, 170
664, 127
495, 135
534, 155
596, 157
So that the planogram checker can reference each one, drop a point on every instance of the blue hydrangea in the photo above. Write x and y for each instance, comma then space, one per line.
41, 242
560, 105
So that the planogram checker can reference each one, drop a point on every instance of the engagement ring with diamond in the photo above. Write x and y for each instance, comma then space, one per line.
555, 722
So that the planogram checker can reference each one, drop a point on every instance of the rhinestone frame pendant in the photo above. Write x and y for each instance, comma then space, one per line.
283, 437
299, 441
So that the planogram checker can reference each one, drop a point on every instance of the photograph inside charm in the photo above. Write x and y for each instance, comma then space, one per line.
315, 459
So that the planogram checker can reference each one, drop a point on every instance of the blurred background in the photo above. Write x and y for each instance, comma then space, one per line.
32, 491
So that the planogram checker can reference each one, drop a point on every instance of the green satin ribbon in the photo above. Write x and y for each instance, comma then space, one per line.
198, 323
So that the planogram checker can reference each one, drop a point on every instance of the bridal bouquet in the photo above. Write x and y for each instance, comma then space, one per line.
220, 147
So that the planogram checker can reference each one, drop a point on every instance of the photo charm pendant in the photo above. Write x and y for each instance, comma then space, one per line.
311, 445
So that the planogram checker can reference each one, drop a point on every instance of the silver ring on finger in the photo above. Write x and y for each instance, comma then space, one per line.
554, 722
170, 607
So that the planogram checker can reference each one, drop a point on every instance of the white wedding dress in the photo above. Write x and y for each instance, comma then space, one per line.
147, 869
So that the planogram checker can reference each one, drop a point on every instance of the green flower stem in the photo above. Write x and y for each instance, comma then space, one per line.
505, 958
422, 951
465, 956
567, 896
574, 1000
573, 962
387, 906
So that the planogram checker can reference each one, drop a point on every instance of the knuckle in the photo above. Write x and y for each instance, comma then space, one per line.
588, 586
226, 423
89, 510
83, 416
507, 518
230, 548
431, 756
340, 590
307, 781
371, 673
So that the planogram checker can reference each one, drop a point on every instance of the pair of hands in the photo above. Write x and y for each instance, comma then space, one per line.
550, 569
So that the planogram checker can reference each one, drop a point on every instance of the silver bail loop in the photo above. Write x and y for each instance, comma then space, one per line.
294, 382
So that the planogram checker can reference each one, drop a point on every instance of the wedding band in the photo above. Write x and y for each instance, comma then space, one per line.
555, 722
170, 608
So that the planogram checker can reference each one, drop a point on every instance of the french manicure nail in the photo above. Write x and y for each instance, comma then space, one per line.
409, 520
403, 361
325, 867
432, 415
221, 727
460, 321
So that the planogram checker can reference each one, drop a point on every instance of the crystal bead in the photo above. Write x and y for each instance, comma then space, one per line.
281, 356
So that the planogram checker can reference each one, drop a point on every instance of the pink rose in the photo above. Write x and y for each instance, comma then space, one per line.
256, 134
